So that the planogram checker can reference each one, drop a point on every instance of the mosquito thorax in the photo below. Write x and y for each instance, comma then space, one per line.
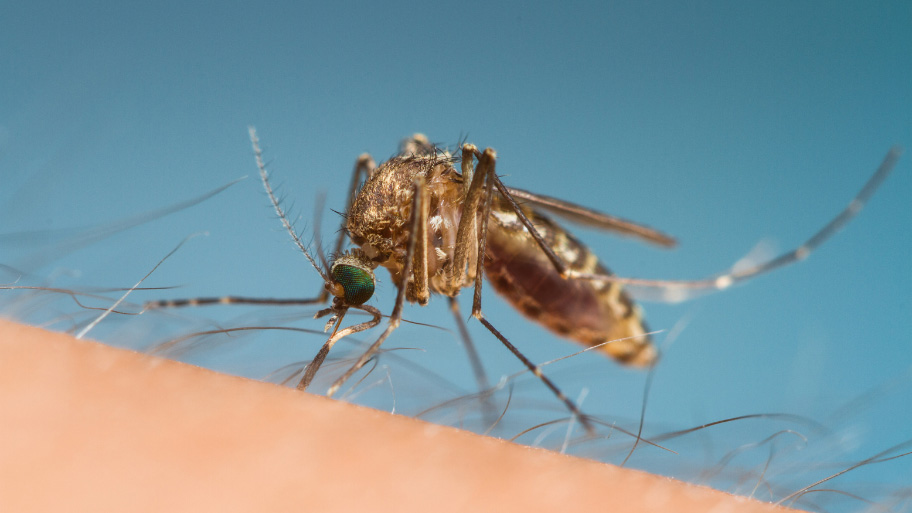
352, 277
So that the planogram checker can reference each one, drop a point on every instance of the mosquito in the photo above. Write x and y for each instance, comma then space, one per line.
438, 229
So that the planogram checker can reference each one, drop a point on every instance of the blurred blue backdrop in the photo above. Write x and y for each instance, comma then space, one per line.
723, 124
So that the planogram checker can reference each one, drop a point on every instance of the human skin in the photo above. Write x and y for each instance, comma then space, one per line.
88, 427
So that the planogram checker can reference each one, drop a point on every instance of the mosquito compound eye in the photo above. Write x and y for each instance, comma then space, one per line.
357, 283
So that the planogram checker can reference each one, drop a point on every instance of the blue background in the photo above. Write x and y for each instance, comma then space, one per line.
723, 124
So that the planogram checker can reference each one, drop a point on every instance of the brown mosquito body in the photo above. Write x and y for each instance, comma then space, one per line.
439, 229
588, 312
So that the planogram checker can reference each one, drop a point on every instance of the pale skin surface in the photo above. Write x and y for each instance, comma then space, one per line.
86, 427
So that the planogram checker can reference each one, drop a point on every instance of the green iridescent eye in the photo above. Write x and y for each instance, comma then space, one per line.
357, 283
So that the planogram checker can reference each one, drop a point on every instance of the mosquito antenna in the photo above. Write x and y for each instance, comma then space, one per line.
255, 142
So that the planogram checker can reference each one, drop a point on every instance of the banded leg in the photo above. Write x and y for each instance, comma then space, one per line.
229, 300
679, 290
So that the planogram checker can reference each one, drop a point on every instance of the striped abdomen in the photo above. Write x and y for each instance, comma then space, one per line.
587, 312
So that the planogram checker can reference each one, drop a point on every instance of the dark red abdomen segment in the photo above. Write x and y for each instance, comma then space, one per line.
587, 312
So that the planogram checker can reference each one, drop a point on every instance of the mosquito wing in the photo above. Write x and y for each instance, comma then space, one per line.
587, 217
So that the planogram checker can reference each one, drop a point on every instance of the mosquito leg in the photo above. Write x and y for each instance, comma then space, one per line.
467, 229
481, 377
364, 168
468, 175
678, 289
419, 272
536, 370
418, 144
487, 171
467, 161
419, 204
337, 335
487, 163
683, 289
229, 300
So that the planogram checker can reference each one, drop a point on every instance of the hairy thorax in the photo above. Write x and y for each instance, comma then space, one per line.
378, 219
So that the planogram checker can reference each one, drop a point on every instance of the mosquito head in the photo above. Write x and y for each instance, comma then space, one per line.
352, 277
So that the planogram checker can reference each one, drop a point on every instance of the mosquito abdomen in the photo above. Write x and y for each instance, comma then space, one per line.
587, 312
